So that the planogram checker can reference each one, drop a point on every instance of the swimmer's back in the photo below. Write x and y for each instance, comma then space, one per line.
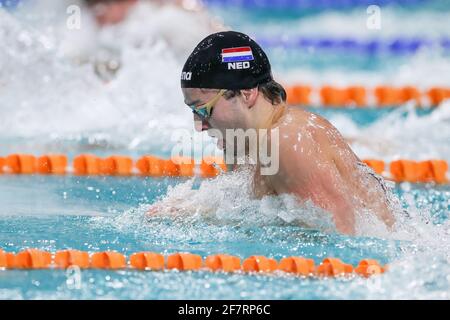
328, 148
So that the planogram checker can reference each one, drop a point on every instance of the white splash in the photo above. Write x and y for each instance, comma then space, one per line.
401, 134
50, 90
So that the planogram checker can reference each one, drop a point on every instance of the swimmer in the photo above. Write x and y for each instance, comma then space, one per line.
227, 81
138, 24
110, 12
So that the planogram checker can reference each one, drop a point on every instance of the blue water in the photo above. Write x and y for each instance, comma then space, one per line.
59, 107
103, 213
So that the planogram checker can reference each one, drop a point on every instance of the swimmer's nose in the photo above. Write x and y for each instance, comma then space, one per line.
200, 125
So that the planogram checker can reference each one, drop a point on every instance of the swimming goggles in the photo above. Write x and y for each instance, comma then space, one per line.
204, 110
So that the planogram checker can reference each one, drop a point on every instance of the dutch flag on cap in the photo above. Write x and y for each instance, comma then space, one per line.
237, 54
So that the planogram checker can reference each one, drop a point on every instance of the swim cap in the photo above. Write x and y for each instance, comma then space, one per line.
226, 60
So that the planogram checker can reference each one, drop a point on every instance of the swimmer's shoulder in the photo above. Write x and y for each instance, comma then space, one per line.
310, 130
296, 118
293, 128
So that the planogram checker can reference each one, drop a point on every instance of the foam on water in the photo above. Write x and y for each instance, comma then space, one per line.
418, 247
424, 69
38, 69
352, 23
228, 199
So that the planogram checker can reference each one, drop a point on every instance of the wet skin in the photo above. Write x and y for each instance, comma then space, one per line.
315, 161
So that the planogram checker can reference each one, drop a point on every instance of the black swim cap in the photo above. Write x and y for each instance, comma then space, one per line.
226, 60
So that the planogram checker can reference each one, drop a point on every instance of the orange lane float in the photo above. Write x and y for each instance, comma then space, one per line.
32, 259
376, 165
438, 94
438, 170
223, 262
52, 164
259, 264
419, 171
390, 96
6, 259
369, 267
356, 95
86, 164
150, 166
2, 164
211, 166
3, 259
297, 265
298, 95
66, 258
108, 260
331, 267
433, 170
184, 261
21, 163
406, 170
116, 165
185, 166
157, 167
410, 93
147, 261
332, 96
387, 96
170, 169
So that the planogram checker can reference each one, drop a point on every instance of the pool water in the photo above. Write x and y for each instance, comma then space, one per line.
59, 106
95, 214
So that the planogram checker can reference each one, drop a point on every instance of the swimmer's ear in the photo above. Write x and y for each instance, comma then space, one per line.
249, 96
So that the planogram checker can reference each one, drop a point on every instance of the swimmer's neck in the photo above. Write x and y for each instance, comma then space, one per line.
263, 115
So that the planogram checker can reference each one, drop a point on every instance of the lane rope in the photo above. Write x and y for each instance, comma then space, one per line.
360, 96
370, 47
308, 4
402, 170
182, 261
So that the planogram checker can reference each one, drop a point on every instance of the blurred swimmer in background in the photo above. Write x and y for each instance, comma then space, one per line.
108, 27
108, 13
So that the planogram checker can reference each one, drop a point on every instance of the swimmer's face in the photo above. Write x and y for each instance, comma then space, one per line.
226, 113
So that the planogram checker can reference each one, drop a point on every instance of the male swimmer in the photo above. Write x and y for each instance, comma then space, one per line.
228, 84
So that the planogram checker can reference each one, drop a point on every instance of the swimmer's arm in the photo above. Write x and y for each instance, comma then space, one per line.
181, 201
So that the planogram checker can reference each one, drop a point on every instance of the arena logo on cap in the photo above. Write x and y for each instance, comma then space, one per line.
186, 75
237, 58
